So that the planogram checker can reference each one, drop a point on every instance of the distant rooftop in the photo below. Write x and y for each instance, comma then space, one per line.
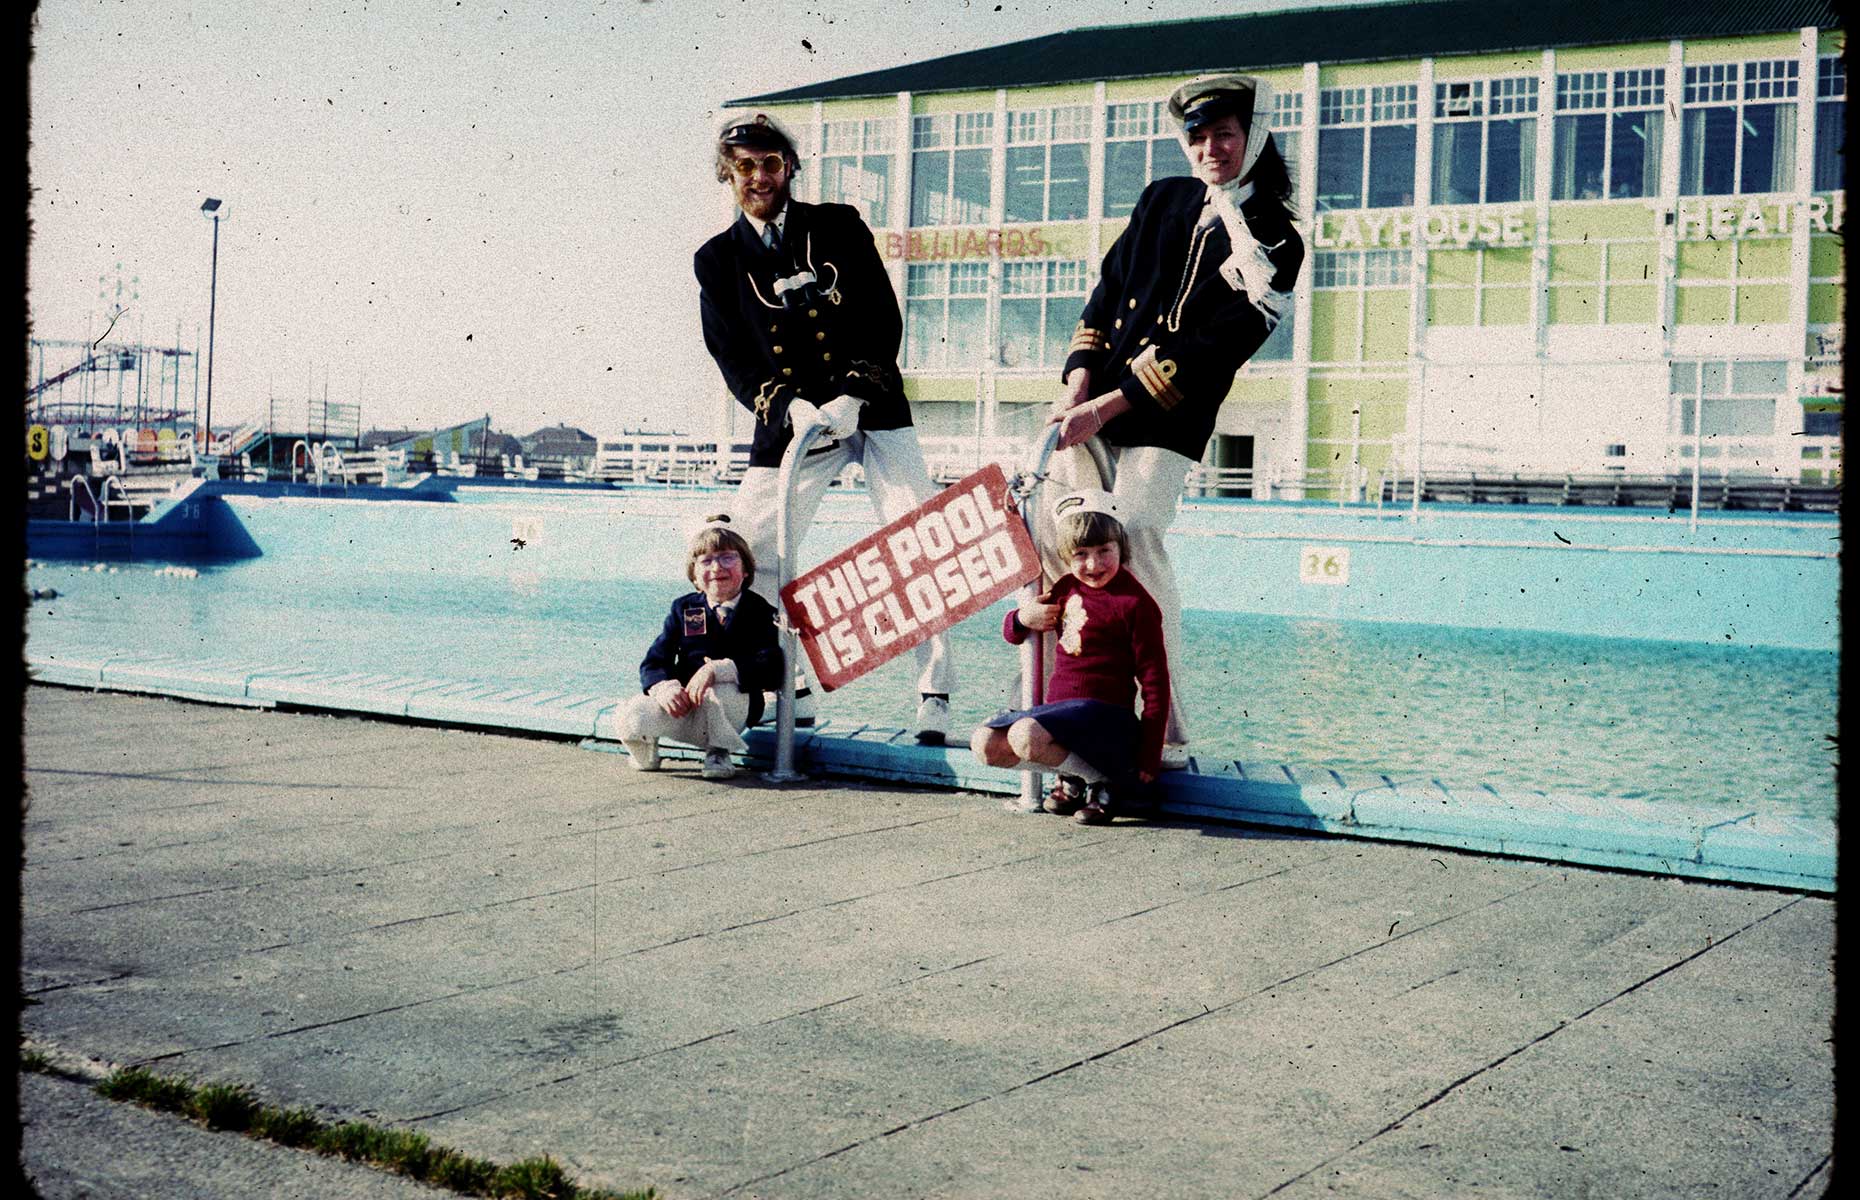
1337, 34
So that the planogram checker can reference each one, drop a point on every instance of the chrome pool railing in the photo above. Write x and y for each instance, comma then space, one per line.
783, 771
1027, 487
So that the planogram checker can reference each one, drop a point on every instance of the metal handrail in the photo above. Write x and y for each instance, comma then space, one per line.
1028, 486
784, 771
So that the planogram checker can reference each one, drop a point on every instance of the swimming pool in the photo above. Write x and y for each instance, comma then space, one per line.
447, 590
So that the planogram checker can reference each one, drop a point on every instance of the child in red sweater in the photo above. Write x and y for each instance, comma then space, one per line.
1110, 650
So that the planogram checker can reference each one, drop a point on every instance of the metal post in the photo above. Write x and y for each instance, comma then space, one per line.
213, 295
784, 771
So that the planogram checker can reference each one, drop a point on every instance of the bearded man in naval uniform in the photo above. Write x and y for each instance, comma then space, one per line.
803, 322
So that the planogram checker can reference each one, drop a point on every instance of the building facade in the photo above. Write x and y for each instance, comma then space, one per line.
1577, 257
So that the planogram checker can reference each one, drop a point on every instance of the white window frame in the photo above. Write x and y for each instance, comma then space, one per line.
1370, 107
856, 141
1063, 285
950, 133
1503, 99
1737, 86
1060, 125
1609, 94
937, 284
1145, 121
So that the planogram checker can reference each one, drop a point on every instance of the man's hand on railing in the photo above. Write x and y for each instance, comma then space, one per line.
841, 415
802, 413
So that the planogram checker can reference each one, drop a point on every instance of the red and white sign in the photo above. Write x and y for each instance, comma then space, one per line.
930, 569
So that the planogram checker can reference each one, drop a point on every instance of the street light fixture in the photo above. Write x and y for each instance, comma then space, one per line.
215, 211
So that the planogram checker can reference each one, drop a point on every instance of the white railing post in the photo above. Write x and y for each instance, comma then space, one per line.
784, 771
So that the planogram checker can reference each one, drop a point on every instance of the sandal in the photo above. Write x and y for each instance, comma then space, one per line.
1065, 796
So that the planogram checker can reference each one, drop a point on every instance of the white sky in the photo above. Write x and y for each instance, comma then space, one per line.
405, 176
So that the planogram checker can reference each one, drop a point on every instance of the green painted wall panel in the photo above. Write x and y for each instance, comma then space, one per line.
1767, 45
1705, 260
1824, 303
1128, 91
1387, 318
1636, 305
1356, 74
1505, 306
1328, 419
1595, 58
846, 110
1578, 263
1824, 257
1251, 388
1762, 304
1481, 66
1024, 389
1633, 260
1600, 220
935, 388
1384, 419
952, 102
1333, 326
1703, 305
1043, 97
1453, 266
1763, 258
1507, 266
1575, 305
1449, 306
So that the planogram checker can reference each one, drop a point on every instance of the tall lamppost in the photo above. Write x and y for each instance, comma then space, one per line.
213, 210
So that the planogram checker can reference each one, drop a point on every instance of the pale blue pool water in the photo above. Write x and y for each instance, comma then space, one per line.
439, 590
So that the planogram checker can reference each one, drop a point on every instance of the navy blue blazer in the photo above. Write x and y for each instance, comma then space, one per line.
692, 634
846, 343
1164, 327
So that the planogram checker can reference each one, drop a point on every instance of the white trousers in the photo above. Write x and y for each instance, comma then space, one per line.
716, 724
1149, 486
897, 481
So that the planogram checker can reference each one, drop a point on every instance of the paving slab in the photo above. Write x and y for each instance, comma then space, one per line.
517, 946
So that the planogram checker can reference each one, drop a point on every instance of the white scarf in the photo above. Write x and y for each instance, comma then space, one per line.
1249, 268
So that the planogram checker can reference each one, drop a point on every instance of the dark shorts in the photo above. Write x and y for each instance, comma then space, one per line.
1104, 735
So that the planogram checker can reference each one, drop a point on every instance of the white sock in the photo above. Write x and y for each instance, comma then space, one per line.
1074, 765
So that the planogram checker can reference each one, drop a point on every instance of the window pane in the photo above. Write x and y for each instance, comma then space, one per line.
1026, 183
1456, 162
835, 184
923, 333
1340, 169
1168, 160
1061, 316
1739, 418
1391, 166
1511, 166
1579, 146
875, 189
1830, 144
1020, 333
1288, 150
1066, 201
1759, 378
930, 187
1124, 176
1635, 170
1708, 151
1769, 147
1685, 378
970, 188
966, 319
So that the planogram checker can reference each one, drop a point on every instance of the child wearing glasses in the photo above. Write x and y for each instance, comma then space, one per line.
1109, 651
703, 677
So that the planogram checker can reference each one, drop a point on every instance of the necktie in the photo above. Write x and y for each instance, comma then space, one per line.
771, 236
726, 611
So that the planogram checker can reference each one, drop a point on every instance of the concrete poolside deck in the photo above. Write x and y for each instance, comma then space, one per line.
517, 946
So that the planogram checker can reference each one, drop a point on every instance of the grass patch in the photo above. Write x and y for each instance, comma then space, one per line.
36, 1061
234, 1108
